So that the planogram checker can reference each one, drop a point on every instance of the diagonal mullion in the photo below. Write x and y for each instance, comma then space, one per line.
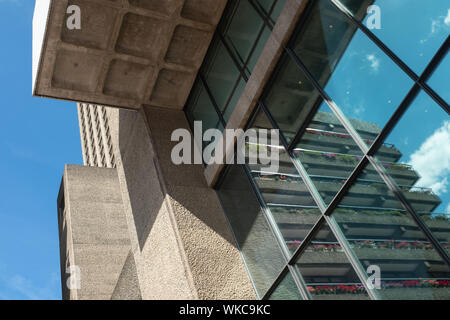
301, 286
213, 100
405, 203
399, 62
265, 16
353, 260
337, 112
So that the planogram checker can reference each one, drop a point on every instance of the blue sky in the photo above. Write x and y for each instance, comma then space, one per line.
37, 137
369, 86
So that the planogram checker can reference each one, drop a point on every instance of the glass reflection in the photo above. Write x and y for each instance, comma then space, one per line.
253, 235
243, 30
286, 289
422, 169
200, 108
284, 193
328, 153
413, 29
326, 270
221, 74
364, 82
381, 233
290, 97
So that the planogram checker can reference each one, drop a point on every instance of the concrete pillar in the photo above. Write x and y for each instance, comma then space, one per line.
181, 241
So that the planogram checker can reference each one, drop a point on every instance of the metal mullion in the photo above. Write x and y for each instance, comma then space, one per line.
395, 118
261, 12
213, 101
341, 8
337, 112
255, 44
309, 184
267, 213
301, 286
236, 51
343, 242
227, 104
300, 282
347, 185
436, 60
399, 62
409, 98
275, 284
309, 117
405, 203
334, 203
274, 124
236, 63
305, 243
431, 67
298, 166
273, 228
269, 218
354, 261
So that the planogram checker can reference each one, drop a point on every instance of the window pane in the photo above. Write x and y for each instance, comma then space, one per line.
364, 82
286, 289
221, 74
326, 270
422, 169
413, 29
327, 152
382, 234
285, 194
439, 80
290, 98
200, 108
242, 31
256, 241
259, 46
276, 11
237, 92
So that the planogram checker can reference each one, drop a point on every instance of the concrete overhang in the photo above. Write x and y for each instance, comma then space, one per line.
128, 53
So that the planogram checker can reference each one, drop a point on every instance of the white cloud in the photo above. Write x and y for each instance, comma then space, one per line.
374, 62
447, 18
448, 209
30, 291
26, 288
432, 160
438, 25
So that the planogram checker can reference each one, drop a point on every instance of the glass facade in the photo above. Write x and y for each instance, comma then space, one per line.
360, 205
239, 40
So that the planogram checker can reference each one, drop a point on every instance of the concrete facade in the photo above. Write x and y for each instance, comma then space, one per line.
177, 243
93, 232
141, 58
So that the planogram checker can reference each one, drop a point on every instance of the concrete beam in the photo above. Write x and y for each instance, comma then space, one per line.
128, 53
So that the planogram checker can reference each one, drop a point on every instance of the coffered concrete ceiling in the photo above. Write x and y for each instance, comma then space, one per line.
128, 53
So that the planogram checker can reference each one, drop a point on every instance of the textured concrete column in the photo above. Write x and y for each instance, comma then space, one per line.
98, 242
182, 244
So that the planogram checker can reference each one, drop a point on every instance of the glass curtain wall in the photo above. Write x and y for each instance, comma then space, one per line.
237, 44
363, 184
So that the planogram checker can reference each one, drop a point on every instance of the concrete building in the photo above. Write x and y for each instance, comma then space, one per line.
344, 200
